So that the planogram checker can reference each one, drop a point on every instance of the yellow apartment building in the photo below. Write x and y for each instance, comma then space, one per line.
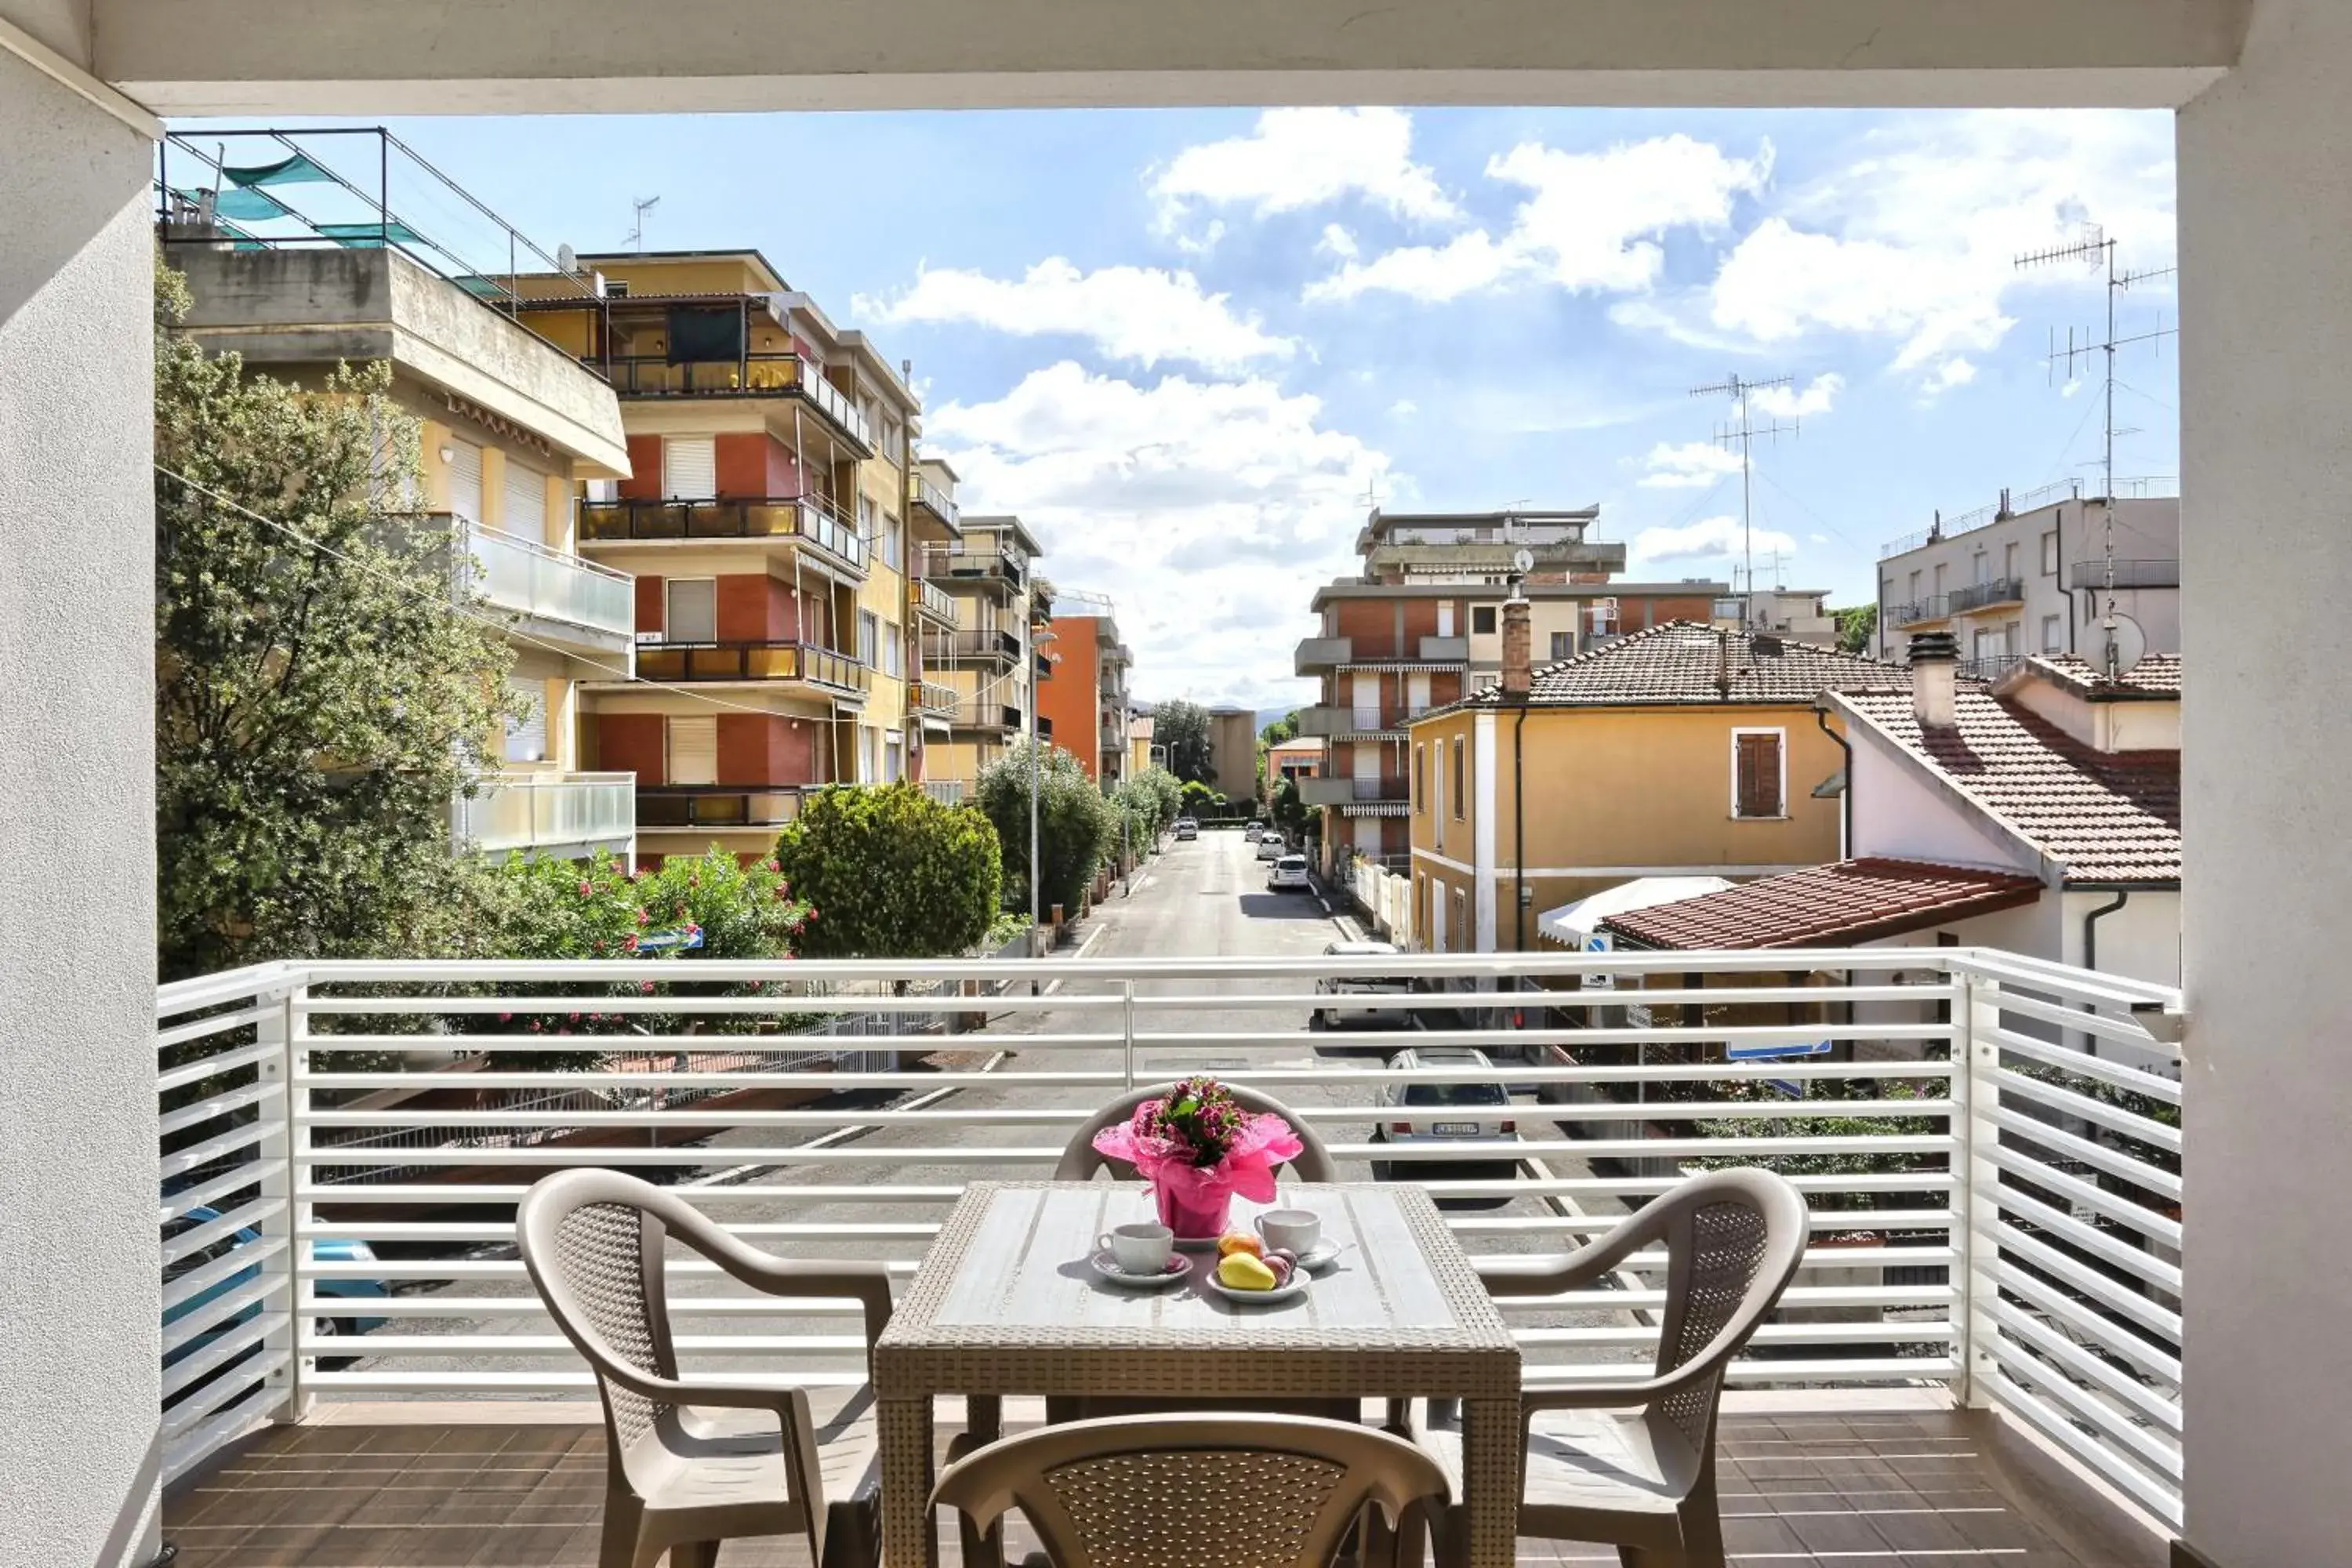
512, 428
765, 520
1679, 751
987, 659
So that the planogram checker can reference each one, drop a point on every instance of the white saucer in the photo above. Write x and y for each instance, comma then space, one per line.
1319, 1256
1298, 1282
1108, 1267
1197, 1243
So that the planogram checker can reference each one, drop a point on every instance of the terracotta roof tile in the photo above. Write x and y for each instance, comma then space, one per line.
1850, 903
2157, 676
2106, 816
1683, 661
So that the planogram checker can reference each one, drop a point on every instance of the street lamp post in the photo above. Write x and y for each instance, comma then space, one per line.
1029, 657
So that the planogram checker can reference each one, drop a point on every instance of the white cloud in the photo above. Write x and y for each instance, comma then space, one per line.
1299, 158
1713, 543
1143, 313
1694, 465
1205, 509
1951, 373
1337, 241
1819, 397
1917, 240
1592, 222
1403, 408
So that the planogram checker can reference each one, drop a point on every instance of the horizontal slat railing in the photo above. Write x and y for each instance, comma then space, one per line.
1988, 1147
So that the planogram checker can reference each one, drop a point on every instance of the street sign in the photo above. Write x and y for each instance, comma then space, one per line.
1776, 1053
1600, 942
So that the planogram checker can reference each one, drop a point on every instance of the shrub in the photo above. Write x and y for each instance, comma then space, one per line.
1075, 825
892, 873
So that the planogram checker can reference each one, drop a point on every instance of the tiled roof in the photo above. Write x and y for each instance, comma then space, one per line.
1683, 661
2155, 677
1826, 906
2106, 816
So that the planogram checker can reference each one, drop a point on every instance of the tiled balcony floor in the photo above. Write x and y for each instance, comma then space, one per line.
1841, 1489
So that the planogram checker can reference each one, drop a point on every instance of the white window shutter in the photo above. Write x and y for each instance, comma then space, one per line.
693, 751
526, 502
689, 468
693, 610
526, 738
466, 479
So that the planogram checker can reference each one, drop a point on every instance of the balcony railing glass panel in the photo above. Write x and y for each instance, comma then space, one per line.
537, 811
520, 574
805, 518
753, 660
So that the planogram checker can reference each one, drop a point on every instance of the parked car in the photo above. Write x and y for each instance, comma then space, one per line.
1254, 831
1354, 1011
1290, 873
234, 1281
1416, 1118
1187, 828
1270, 847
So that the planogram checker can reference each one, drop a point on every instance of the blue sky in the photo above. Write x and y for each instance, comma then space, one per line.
1183, 345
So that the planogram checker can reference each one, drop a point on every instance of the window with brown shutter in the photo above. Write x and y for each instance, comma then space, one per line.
1756, 773
1460, 790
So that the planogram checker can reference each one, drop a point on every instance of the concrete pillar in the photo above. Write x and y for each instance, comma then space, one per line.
2266, 453
78, 1295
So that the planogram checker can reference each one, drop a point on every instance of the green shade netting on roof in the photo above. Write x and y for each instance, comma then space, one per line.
299, 170
367, 236
234, 203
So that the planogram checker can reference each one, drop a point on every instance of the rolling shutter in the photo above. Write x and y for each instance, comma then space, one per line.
1759, 775
526, 502
526, 738
693, 751
689, 468
466, 479
693, 610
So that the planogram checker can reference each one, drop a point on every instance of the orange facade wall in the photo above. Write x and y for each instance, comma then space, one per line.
630, 742
767, 749
1071, 696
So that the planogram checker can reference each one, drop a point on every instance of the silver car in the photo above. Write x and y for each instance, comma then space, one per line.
1414, 1116
1269, 846
1291, 874
1357, 1009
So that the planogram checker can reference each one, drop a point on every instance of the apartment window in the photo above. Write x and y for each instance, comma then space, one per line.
1939, 577
894, 651
1416, 693
1563, 646
2008, 560
526, 738
894, 749
1459, 788
2050, 553
2054, 635
1759, 774
1461, 922
1482, 619
466, 480
1914, 586
1420, 785
893, 543
690, 606
692, 751
869, 636
866, 527
1446, 618
1980, 564
689, 468
1366, 690
525, 514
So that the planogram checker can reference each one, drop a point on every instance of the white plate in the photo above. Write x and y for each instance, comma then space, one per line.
1298, 1282
1107, 1267
1319, 1256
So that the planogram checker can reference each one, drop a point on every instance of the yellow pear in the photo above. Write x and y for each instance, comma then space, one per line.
1244, 1271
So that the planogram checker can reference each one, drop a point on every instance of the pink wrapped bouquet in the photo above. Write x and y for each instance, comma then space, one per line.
1198, 1146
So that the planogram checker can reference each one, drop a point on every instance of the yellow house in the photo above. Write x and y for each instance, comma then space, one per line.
1679, 751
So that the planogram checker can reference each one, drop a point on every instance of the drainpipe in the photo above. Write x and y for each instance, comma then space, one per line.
2091, 926
1845, 802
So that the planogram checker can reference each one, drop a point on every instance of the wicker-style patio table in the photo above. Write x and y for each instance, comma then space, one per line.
1006, 1303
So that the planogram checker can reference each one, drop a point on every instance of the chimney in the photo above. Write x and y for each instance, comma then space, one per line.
1935, 677
1518, 648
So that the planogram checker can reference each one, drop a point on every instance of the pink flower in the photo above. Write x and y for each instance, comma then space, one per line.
575, 1017
585, 889
812, 914
644, 919
505, 1018
645, 987
631, 944
776, 865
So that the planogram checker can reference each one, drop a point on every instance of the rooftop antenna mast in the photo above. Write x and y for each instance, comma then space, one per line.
1745, 433
2096, 249
636, 240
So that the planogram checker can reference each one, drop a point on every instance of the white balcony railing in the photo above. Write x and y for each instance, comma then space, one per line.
1994, 1176
547, 811
521, 575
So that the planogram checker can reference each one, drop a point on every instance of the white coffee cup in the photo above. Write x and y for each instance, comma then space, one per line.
1139, 1248
1295, 1230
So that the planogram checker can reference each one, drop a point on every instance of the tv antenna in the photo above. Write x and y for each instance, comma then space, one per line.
2096, 249
643, 204
1741, 391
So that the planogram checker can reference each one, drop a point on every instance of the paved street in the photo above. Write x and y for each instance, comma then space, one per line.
1206, 897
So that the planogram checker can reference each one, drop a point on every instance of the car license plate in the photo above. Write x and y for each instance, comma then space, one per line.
1456, 1129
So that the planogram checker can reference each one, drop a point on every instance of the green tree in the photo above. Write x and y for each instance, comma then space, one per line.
892, 872
1283, 729
320, 696
1290, 812
1165, 794
1199, 797
1077, 826
1183, 728
1855, 626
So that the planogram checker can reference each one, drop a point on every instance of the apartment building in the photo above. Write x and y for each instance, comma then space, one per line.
1233, 754
2029, 575
986, 660
1420, 628
511, 427
1082, 694
934, 530
764, 521
1801, 613
1684, 751
1142, 751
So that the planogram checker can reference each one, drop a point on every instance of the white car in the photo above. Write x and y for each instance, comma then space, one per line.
1290, 873
1352, 995
1414, 1115
1254, 831
1269, 847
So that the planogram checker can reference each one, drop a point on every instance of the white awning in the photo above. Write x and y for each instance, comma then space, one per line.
1572, 925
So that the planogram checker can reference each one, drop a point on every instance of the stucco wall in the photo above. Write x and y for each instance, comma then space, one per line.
79, 1305
1900, 811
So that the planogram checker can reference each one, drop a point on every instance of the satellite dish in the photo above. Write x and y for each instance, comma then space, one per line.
2126, 645
566, 258
1523, 560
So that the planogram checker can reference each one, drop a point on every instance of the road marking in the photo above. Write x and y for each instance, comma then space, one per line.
844, 1134
1084, 948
